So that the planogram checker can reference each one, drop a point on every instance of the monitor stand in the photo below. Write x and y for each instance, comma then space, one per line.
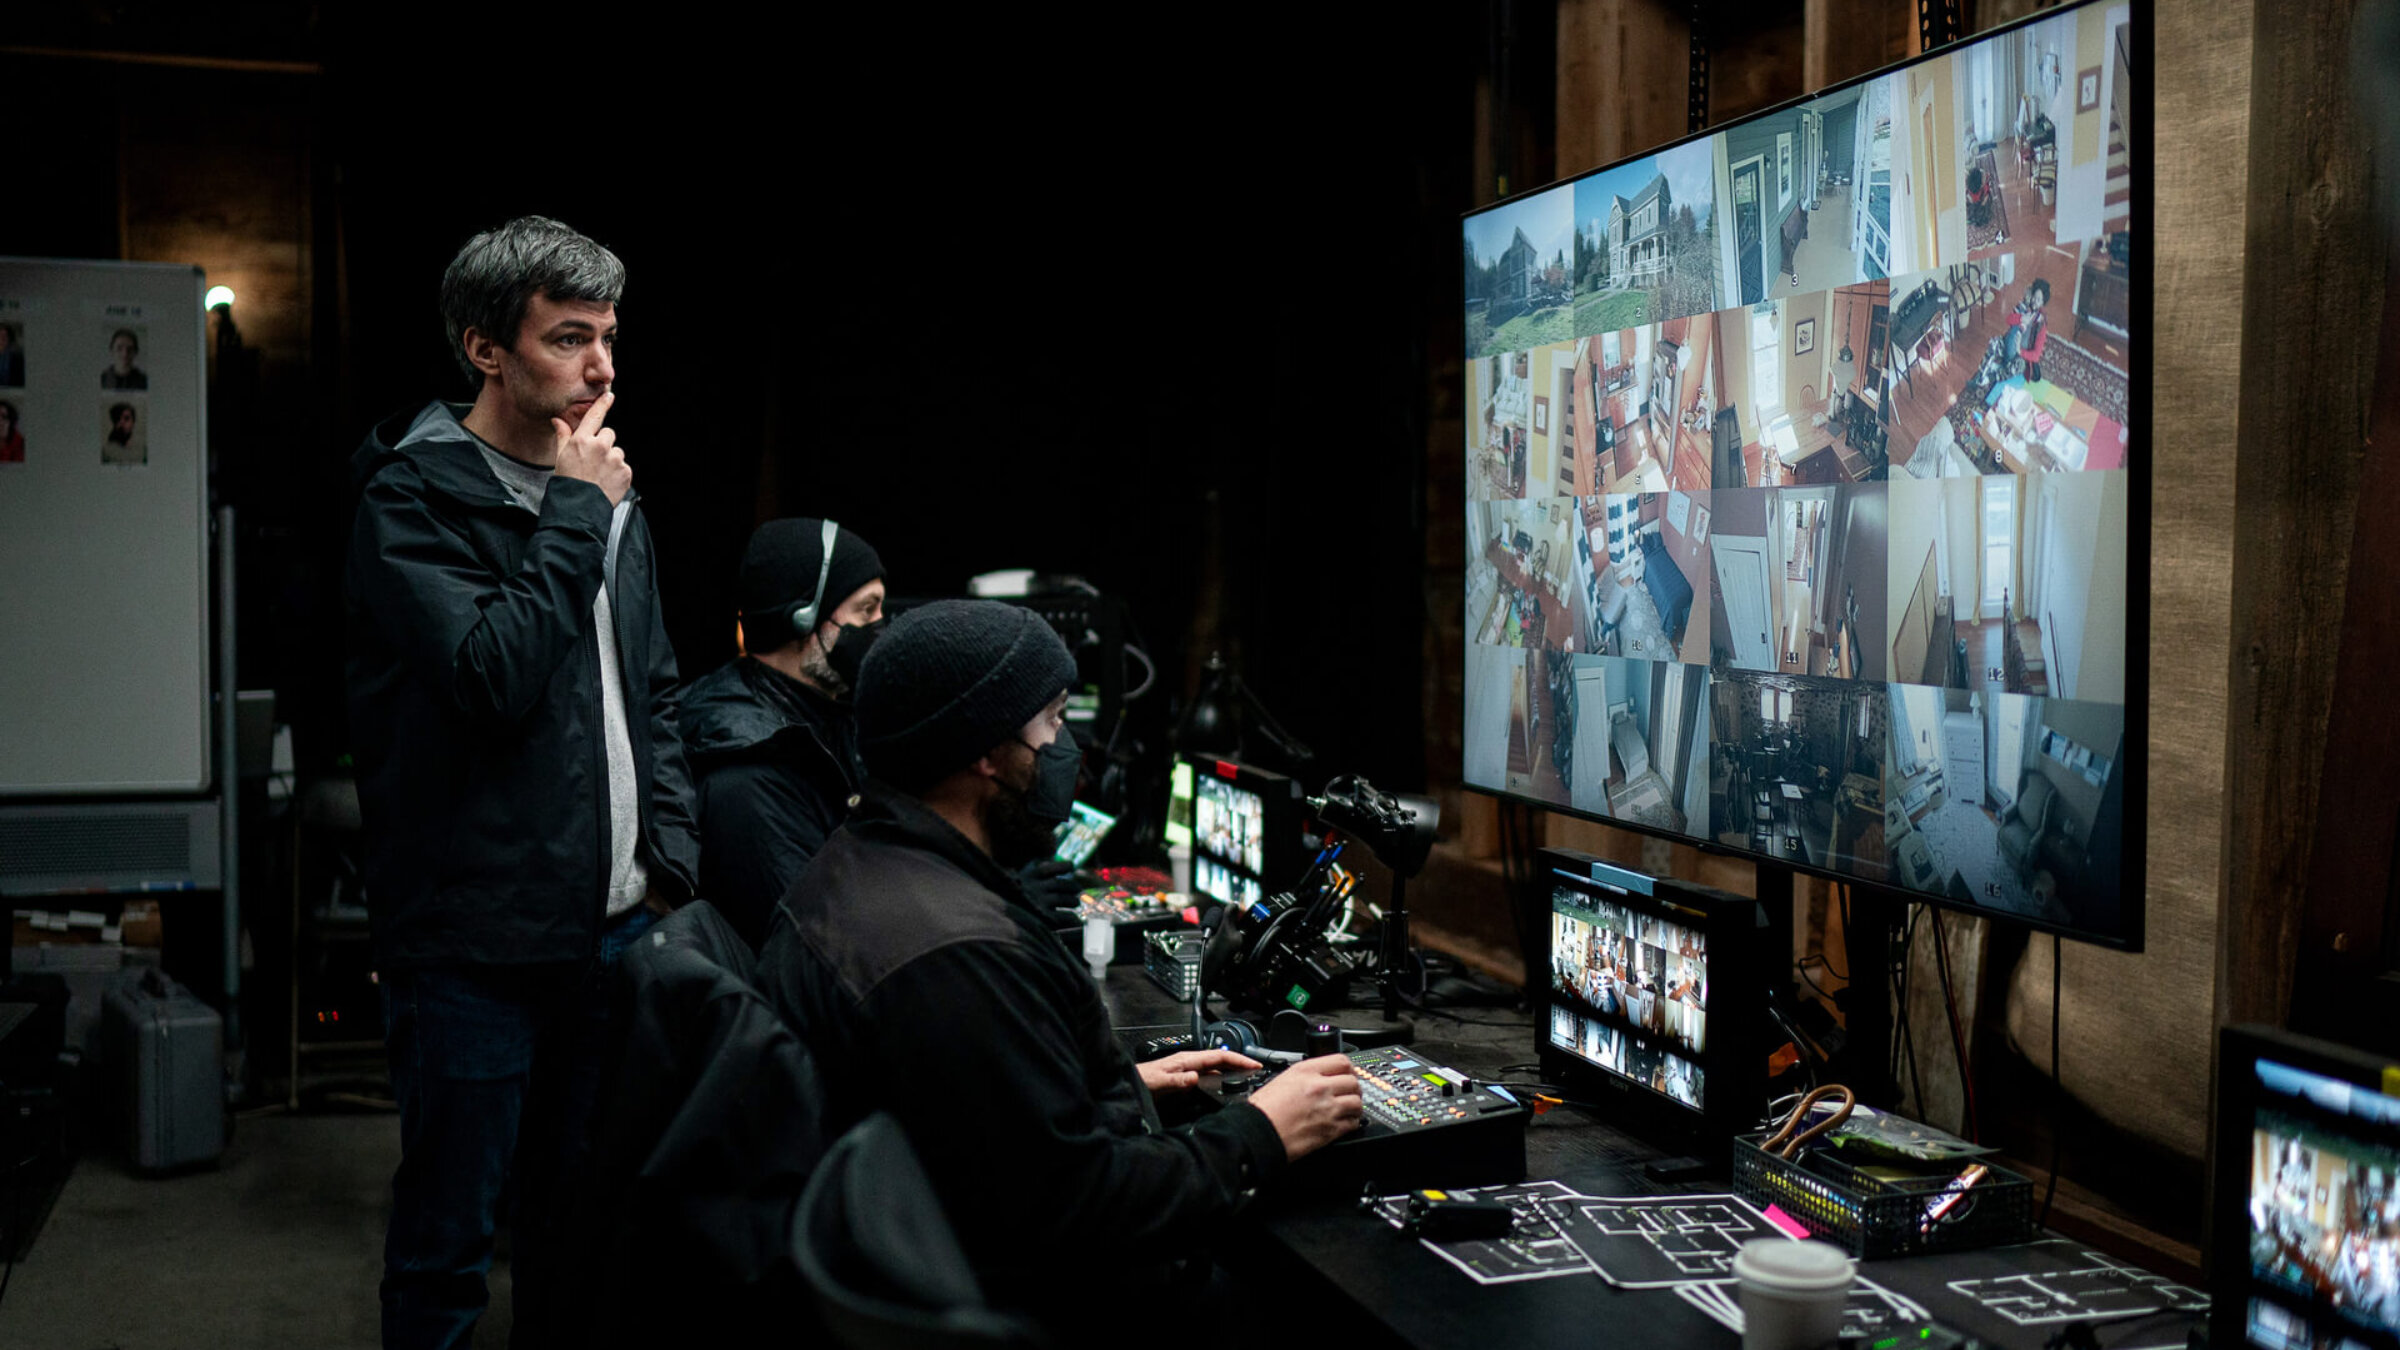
1864, 1063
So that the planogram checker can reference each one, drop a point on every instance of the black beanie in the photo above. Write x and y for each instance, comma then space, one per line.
950, 680
779, 574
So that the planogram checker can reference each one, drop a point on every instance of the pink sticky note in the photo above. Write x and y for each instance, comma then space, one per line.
1785, 1223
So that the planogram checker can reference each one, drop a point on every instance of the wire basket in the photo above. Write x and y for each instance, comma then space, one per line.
1172, 960
1872, 1218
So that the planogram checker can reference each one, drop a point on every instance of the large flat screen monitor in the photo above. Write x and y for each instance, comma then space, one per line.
2305, 1240
1806, 482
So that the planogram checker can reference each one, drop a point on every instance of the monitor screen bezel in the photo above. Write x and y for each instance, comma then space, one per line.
1281, 821
2133, 757
2239, 1049
1732, 1064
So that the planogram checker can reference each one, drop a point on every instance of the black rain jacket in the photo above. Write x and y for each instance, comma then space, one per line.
926, 984
775, 765
475, 715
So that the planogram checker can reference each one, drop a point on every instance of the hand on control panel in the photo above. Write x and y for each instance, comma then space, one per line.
1181, 1071
1312, 1103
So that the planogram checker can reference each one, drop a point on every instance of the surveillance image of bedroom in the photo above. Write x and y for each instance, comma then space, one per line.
1804, 390
1806, 200
2010, 584
1644, 411
2007, 801
1640, 562
1638, 748
1798, 580
1796, 769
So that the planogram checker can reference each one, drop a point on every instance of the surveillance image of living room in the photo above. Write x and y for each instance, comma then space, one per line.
1803, 382
1798, 578
2011, 298
1643, 412
1500, 427
1796, 769
2011, 584
2007, 801
1807, 204
1636, 741
1640, 565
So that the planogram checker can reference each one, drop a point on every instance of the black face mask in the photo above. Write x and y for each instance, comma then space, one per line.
1056, 768
849, 651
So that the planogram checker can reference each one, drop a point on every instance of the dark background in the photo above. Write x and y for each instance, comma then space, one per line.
1153, 308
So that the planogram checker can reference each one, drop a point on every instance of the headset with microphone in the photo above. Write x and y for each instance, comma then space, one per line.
804, 617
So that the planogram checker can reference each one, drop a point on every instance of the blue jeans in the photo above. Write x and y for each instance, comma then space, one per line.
496, 1069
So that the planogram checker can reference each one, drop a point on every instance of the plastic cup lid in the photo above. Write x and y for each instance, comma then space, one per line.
1802, 1267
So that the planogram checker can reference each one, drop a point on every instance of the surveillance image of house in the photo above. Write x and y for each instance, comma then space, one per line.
1805, 196
1642, 408
1640, 580
1646, 245
2010, 584
1796, 769
1518, 290
1799, 577
1639, 748
2008, 801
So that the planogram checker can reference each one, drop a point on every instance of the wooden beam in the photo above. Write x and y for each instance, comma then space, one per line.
1843, 38
2312, 298
1621, 90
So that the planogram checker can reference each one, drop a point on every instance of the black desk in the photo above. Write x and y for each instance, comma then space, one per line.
1367, 1277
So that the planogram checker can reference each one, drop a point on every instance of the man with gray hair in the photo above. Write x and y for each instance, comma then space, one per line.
526, 805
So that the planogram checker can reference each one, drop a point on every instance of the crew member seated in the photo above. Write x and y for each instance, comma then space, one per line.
773, 751
926, 983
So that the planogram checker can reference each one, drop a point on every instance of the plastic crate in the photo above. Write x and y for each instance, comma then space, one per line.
1872, 1218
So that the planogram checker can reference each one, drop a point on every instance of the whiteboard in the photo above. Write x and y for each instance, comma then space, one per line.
104, 588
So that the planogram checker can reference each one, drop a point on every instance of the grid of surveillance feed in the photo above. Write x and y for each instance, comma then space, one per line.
1798, 484
1230, 843
1629, 992
2324, 1215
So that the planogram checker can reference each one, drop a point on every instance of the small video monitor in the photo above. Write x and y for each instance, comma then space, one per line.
1080, 834
1179, 805
1645, 995
2306, 1236
1245, 824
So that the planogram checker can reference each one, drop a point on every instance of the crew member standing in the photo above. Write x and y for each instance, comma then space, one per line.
525, 800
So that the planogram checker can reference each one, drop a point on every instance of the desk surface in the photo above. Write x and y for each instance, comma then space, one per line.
1375, 1279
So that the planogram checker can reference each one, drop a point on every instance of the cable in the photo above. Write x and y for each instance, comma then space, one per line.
1908, 1038
2058, 1091
1958, 1038
1149, 672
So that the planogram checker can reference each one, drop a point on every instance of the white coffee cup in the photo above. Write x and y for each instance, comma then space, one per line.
1792, 1293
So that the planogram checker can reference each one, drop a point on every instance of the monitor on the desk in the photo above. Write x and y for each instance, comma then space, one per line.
2305, 1241
1805, 482
1246, 824
1653, 997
